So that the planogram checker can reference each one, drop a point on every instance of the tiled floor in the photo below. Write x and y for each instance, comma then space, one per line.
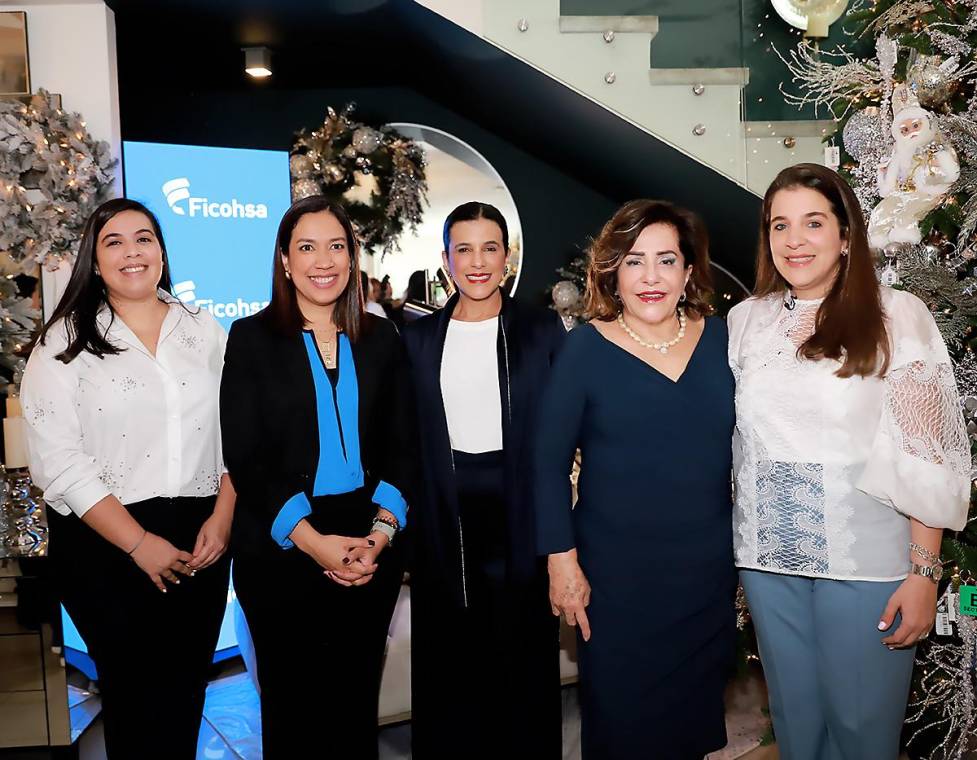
231, 726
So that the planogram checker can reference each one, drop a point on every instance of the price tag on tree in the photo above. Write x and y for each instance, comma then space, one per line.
968, 600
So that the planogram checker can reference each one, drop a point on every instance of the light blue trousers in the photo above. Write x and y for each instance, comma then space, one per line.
836, 692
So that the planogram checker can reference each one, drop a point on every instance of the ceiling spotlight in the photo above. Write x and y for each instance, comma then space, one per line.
257, 61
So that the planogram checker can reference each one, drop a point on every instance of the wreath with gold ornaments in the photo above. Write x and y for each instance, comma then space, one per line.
377, 173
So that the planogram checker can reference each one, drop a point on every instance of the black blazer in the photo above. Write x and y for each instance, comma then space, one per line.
269, 427
528, 341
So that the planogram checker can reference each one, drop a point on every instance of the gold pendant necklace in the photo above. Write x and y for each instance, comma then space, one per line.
328, 357
661, 347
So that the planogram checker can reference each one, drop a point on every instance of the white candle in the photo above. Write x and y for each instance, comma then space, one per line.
14, 442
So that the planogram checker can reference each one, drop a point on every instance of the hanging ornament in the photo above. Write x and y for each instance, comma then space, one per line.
916, 176
565, 295
300, 166
861, 135
365, 140
932, 79
303, 188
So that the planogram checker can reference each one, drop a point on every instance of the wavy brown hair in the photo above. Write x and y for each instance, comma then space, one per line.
616, 240
850, 324
283, 311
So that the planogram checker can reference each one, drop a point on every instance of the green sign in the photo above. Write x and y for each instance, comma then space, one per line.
968, 600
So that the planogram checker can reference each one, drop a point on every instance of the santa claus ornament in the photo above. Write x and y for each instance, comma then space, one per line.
915, 178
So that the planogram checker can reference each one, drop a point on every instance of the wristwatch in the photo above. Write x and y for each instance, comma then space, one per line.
933, 572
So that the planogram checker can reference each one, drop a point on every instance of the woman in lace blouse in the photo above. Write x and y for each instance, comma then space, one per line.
850, 459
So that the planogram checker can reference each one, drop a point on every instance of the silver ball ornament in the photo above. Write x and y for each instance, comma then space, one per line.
303, 188
300, 166
565, 295
365, 140
862, 134
931, 84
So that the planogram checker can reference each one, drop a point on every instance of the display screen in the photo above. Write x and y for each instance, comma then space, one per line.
219, 209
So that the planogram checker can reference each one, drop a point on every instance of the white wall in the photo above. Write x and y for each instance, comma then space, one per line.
71, 49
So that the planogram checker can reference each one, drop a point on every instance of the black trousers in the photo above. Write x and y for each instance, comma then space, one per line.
152, 650
319, 646
486, 678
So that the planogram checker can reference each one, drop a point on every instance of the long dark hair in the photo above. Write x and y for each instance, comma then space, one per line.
471, 211
85, 294
850, 324
283, 310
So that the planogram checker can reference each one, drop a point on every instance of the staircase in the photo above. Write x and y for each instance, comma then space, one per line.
698, 111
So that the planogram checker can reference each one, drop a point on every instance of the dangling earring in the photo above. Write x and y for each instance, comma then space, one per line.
506, 271
789, 301
288, 275
98, 272
682, 298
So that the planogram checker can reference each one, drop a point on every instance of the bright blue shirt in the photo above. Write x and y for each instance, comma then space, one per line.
339, 469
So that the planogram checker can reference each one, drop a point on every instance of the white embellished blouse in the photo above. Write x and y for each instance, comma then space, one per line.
130, 424
828, 470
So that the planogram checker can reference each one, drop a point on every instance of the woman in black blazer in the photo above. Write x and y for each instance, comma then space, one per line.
485, 645
316, 419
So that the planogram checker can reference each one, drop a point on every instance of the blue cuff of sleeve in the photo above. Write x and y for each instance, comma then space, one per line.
295, 509
390, 499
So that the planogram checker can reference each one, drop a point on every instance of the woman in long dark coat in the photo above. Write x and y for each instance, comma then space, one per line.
485, 645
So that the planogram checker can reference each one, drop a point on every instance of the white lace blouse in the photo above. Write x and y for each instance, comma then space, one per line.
828, 470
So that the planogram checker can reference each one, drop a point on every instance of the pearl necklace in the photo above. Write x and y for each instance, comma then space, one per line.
662, 347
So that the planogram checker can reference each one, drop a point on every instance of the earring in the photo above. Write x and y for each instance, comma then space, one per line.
789, 301
844, 251
507, 271
681, 298
98, 272
288, 275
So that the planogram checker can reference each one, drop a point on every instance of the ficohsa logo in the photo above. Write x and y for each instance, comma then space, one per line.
181, 202
186, 292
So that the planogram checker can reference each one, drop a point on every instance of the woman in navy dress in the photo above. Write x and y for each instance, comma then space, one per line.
643, 564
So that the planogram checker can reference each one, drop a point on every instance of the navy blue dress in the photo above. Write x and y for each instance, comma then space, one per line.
653, 533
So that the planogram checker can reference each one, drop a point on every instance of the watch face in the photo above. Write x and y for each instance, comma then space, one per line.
937, 572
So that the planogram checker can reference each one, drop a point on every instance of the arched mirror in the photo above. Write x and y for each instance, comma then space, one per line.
456, 173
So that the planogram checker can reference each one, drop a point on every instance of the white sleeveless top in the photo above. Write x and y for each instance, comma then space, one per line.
470, 386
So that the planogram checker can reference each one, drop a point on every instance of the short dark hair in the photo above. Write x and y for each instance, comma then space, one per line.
616, 240
283, 310
85, 294
471, 211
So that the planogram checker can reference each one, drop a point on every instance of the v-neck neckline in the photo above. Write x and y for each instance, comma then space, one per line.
114, 322
643, 363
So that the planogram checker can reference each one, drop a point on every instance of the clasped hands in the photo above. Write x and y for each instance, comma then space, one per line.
346, 560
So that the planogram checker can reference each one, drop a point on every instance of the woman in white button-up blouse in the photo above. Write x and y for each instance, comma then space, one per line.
121, 401
850, 460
